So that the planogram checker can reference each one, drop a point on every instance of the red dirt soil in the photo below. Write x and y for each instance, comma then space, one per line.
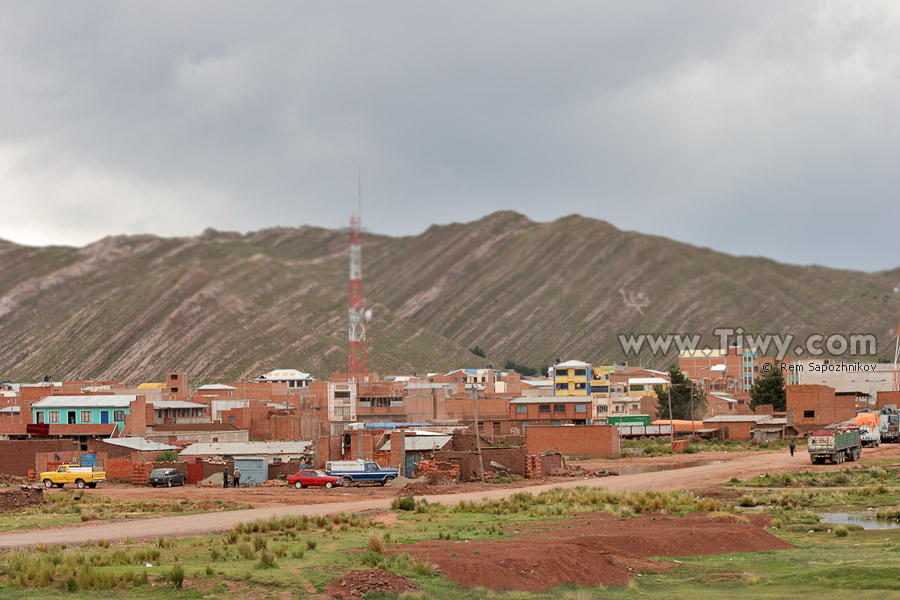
591, 550
356, 583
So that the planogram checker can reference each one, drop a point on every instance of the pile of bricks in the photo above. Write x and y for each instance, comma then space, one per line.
32, 476
678, 446
426, 468
140, 473
533, 466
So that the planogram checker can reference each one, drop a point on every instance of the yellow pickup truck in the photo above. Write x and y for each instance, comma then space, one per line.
81, 476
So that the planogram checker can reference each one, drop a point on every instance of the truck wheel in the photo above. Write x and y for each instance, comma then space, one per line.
346, 481
169, 483
92, 484
153, 484
328, 485
59, 485
298, 485
48, 483
79, 483
387, 480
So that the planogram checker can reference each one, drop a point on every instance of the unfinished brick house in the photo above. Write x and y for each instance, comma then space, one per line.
811, 407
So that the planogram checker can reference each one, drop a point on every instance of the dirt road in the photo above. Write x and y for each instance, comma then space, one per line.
723, 467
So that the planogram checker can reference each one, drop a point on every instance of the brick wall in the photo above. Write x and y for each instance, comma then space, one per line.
810, 407
118, 469
17, 456
885, 398
732, 431
583, 441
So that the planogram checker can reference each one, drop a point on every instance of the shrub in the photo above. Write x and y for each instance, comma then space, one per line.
375, 541
404, 503
168, 456
176, 576
841, 531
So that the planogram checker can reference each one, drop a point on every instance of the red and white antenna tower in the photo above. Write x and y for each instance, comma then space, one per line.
357, 359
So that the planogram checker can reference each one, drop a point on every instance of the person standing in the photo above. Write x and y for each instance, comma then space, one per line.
792, 446
237, 477
225, 477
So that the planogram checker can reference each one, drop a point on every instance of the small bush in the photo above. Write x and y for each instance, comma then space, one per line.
424, 567
403, 503
176, 576
375, 541
841, 531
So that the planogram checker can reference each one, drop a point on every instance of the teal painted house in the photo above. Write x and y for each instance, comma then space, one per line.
83, 410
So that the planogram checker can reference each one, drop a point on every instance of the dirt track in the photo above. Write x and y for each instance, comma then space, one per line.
280, 501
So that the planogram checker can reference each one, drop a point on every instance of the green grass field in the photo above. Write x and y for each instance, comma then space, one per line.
293, 557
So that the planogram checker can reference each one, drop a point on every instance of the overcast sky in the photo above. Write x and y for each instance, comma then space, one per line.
761, 128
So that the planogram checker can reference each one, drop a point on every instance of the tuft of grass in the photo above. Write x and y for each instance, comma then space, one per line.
176, 576
375, 541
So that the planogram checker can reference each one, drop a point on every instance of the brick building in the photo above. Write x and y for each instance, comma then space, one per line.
811, 407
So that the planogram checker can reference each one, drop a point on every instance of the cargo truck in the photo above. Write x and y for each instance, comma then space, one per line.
869, 427
890, 425
836, 446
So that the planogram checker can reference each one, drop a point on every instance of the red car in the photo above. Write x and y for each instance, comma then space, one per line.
307, 477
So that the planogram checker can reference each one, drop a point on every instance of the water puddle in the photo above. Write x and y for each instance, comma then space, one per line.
864, 520
636, 469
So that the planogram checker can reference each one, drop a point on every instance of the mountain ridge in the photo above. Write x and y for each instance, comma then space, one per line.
223, 305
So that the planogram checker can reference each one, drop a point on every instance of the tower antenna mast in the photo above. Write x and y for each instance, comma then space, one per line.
357, 359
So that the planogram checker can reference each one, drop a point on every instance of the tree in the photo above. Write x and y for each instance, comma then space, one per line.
769, 389
168, 456
682, 389
527, 371
477, 351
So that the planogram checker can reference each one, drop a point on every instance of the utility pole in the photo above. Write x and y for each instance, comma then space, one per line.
692, 409
671, 422
474, 394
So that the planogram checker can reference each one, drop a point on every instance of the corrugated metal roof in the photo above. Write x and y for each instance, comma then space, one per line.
246, 448
285, 375
138, 444
571, 364
419, 443
738, 419
553, 400
647, 381
216, 386
11, 409
176, 404
113, 401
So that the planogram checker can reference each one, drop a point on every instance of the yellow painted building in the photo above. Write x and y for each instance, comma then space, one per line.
572, 378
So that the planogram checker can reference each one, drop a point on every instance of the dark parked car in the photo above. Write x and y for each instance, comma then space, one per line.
167, 477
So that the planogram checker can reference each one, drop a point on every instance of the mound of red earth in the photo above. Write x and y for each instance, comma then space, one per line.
356, 583
22, 497
590, 550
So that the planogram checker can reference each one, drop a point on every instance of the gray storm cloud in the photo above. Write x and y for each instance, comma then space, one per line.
761, 128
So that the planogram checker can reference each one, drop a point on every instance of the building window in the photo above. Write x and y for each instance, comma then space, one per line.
603, 389
39, 417
559, 408
809, 414
455, 379
86, 416
554, 422
173, 376
119, 416
637, 388
562, 386
580, 385
581, 408
53, 416
544, 408
602, 409
580, 372
562, 373
232, 419
174, 390
345, 395
521, 409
